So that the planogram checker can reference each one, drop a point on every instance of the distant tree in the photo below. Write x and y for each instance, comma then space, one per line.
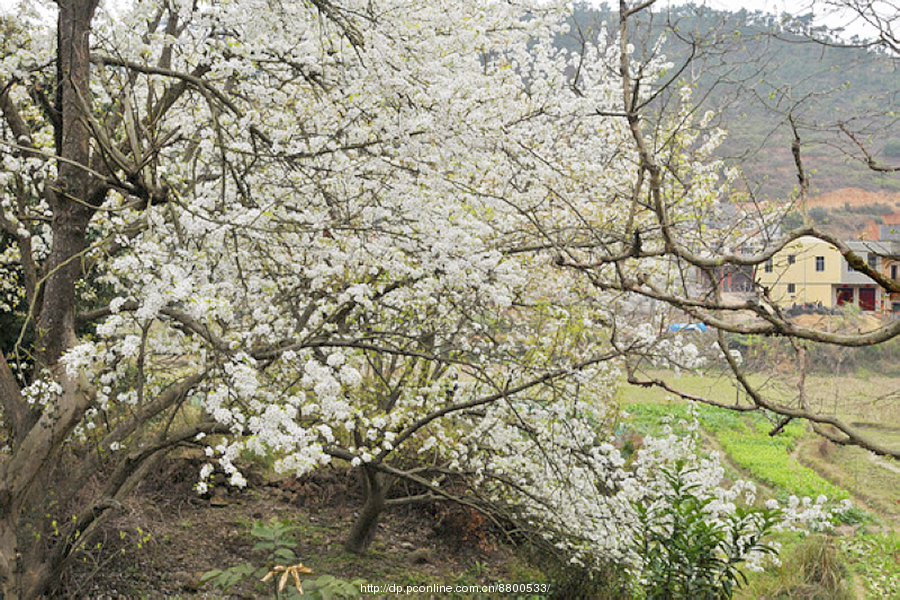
766, 65
819, 215
792, 221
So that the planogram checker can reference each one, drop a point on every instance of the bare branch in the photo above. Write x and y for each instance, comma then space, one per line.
871, 162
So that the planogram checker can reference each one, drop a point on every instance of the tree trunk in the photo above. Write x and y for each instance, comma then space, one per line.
363, 531
8, 560
19, 417
73, 200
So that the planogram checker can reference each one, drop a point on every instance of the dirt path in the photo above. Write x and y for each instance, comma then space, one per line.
883, 463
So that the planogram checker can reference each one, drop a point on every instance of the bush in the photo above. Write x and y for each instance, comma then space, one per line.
686, 553
879, 208
793, 220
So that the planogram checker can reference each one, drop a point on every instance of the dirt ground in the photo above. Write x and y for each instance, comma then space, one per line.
168, 536
855, 197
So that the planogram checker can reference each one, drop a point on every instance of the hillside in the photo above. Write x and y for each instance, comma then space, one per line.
856, 198
846, 212
771, 69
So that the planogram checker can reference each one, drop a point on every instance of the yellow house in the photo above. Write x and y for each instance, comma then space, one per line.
804, 271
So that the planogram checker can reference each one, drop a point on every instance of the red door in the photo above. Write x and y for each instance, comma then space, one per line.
867, 298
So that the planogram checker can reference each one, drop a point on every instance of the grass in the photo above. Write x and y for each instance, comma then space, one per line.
381, 564
863, 565
854, 469
769, 459
816, 566
812, 567
868, 401
875, 558
720, 388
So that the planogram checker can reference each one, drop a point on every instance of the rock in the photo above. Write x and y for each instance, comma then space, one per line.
219, 498
188, 581
254, 478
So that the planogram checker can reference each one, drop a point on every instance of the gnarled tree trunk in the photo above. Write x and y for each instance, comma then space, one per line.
375, 488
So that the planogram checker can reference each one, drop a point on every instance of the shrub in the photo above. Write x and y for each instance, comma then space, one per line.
792, 220
686, 553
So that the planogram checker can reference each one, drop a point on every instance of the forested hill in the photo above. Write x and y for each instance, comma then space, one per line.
755, 69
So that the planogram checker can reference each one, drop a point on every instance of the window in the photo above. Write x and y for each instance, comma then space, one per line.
820, 263
873, 261
769, 266
792, 258
792, 288
894, 272
844, 296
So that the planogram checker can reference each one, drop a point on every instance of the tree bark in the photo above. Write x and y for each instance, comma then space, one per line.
74, 196
366, 524
19, 416
8, 558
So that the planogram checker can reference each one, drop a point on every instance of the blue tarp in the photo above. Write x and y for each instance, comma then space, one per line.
688, 327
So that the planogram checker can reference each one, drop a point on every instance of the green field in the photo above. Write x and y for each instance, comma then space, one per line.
746, 441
